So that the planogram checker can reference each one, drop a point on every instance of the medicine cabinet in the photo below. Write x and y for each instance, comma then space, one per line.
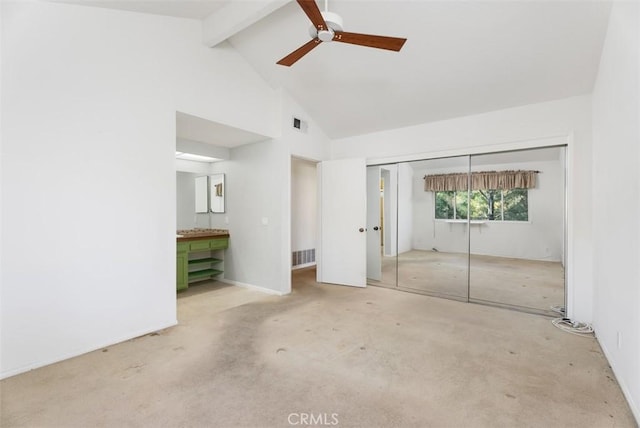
210, 194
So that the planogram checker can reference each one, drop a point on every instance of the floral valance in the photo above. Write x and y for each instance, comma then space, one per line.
481, 180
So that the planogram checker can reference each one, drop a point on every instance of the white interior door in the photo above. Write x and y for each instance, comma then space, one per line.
374, 257
342, 219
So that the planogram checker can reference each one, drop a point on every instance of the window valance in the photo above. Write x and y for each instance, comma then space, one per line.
481, 180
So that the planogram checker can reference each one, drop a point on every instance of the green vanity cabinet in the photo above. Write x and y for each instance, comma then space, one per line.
182, 266
199, 258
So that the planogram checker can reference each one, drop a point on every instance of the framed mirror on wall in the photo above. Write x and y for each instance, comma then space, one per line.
216, 193
210, 194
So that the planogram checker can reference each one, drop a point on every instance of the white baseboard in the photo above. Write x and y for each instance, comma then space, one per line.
252, 287
91, 348
623, 386
296, 267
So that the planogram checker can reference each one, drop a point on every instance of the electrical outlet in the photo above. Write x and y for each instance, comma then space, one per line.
619, 340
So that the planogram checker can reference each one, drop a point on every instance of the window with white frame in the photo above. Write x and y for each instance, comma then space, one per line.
488, 204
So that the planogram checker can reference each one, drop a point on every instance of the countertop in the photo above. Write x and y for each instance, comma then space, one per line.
196, 234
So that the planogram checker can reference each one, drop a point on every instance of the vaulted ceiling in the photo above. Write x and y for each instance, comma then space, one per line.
461, 57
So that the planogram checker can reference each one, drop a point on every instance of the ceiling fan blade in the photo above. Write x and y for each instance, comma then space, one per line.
294, 56
380, 42
313, 12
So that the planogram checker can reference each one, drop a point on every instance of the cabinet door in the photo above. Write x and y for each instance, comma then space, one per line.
182, 271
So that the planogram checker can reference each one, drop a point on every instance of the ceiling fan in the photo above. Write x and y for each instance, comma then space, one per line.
327, 27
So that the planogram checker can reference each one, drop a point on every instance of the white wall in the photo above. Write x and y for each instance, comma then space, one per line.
88, 169
555, 122
616, 202
304, 205
257, 185
1, 175
185, 200
540, 238
186, 216
186, 173
311, 144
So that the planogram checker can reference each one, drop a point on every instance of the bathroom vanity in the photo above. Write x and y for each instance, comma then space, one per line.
200, 255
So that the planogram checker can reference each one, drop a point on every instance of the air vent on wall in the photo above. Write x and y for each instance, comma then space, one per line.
303, 258
299, 124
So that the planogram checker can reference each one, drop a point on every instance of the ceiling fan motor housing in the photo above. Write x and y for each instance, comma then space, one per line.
334, 22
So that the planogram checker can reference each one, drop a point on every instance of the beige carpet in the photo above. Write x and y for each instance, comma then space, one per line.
373, 357
528, 284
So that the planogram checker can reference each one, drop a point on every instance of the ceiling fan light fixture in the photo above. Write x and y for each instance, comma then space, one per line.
326, 35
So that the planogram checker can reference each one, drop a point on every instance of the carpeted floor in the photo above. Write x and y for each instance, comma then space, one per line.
368, 357
527, 284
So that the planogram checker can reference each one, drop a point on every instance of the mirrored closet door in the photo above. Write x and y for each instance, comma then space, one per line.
424, 243
382, 225
483, 228
517, 200
433, 249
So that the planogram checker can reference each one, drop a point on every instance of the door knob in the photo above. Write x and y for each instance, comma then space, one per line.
361, 230
376, 228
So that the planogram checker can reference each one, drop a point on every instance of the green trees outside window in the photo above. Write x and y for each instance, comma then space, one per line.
489, 204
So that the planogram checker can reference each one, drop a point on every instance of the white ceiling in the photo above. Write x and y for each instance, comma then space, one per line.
193, 9
197, 129
461, 57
